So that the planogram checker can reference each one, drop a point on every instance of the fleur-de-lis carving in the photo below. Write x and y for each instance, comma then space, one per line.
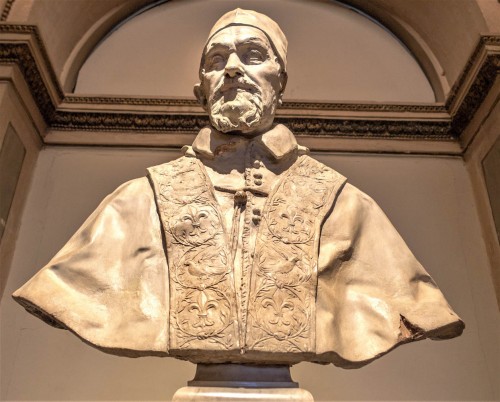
194, 225
279, 311
203, 313
295, 222
193, 219
204, 308
285, 274
202, 291
291, 226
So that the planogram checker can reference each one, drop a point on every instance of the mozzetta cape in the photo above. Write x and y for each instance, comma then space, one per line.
354, 292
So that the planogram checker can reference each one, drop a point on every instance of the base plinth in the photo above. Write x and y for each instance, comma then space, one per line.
242, 382
216, 394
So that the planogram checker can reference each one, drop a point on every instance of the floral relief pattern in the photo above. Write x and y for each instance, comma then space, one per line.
283, 280
283, 287
202, 311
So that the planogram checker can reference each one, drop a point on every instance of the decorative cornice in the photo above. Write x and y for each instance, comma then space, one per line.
387, 129
388, 121
365, 107
476, 94
6, 10
20, 55
481, 85
471, 62
110, 121
394, 129
32, 30
112, 100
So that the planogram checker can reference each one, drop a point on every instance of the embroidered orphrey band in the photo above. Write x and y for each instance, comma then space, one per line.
202, 296
283, 280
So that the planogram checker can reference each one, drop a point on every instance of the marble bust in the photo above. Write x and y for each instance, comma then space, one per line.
244, 249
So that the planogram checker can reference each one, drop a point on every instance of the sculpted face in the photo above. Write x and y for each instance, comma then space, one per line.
241, 81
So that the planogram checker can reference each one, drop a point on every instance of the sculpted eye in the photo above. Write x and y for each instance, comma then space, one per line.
254, 56
215, 62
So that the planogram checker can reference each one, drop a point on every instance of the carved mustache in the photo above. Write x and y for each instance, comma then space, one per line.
237, 82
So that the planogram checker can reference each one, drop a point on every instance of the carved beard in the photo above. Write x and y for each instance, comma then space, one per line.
238, 108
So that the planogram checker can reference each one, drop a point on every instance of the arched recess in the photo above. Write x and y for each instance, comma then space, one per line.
412, 40
95, 34
403, 31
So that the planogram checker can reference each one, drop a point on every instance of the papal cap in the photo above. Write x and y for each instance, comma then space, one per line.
257, 20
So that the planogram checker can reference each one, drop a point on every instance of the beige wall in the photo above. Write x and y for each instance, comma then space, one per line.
442, 33
335, 54
485, 134
450, 28
428, 199
62, 26
15, 117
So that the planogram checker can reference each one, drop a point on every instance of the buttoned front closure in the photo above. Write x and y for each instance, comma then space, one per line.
243, 166
236, 164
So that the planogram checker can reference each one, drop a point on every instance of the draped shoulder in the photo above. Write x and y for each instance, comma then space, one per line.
108, 283
373, 294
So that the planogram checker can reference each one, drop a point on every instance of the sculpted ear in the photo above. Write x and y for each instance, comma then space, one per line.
283, 81
200, 95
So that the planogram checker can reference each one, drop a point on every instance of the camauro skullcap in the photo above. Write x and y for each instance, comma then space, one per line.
257, 20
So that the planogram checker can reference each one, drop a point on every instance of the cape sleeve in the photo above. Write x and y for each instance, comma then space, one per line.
373, 295
108, 284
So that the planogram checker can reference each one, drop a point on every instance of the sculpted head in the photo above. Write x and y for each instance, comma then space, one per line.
243, 73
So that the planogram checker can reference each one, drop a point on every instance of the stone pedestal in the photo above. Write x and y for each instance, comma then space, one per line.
240, 382
220, 394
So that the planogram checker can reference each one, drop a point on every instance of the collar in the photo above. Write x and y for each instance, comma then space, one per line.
279, 141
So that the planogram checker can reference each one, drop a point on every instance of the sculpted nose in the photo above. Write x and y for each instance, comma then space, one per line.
234, 66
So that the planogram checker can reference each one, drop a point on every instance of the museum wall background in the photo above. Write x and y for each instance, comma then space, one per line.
437, 200
347, 45
430, 202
